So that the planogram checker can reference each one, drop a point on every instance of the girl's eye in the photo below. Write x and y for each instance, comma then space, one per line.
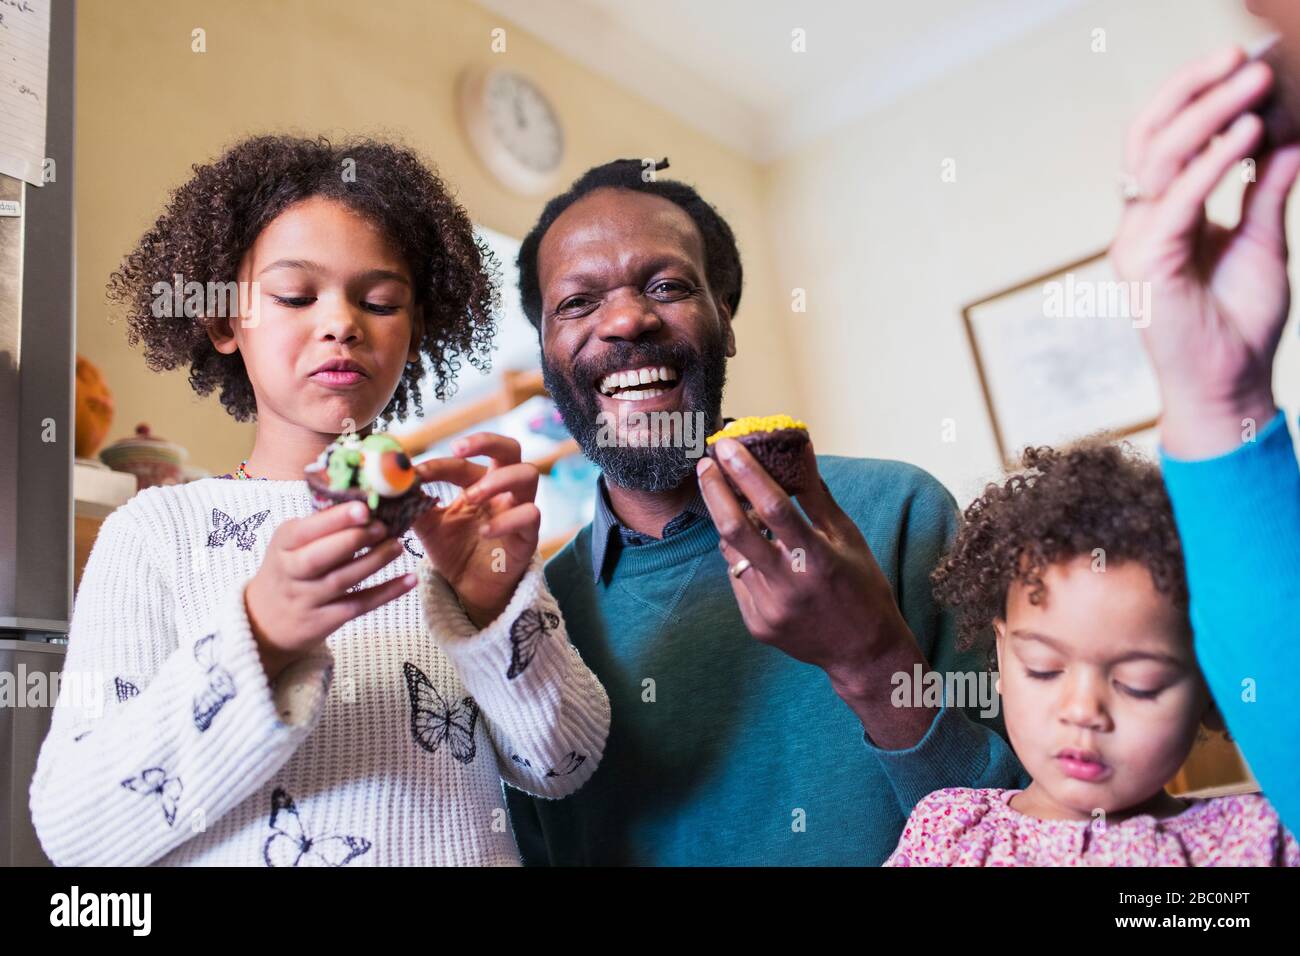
1139, 694
378, 309
1040, 675
294, 301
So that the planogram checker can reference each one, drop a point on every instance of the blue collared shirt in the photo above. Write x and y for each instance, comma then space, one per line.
608, 534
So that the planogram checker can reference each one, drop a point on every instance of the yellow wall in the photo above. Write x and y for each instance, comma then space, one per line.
889, 252
148, 108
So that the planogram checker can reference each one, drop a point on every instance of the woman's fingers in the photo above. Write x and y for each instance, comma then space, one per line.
502, 450
1183, 206
1184, 86
1186, 136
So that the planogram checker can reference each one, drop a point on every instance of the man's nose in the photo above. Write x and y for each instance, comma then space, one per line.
627, 315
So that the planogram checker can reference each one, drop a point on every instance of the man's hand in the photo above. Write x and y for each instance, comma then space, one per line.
816, 592
483, 541
1219, 297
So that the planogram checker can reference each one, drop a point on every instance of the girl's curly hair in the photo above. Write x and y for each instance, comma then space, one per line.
214, 218
1063, 505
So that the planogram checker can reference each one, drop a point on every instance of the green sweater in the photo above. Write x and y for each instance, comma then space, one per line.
724, 751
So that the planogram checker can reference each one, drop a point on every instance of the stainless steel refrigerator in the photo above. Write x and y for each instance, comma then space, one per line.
37, 438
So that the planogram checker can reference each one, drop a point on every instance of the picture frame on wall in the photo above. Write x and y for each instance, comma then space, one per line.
1059, 357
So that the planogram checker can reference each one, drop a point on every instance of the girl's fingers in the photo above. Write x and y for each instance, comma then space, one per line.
356, 603
502, 450
524, 520
1183, 206
332, 585
317, 558
1189, 134
519, 480
1177, 92
456, 471
300, 531
734, 527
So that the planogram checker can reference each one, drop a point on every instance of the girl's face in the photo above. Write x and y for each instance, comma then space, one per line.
1100, 689
330, 286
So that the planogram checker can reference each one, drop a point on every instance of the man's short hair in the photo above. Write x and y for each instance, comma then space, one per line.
721, 256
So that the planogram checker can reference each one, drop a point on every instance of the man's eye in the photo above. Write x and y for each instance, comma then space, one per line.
670, 287
575, 304
1040, 675
294, 301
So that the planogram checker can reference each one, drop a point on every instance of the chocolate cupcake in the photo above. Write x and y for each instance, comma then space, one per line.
777, 443
375, 470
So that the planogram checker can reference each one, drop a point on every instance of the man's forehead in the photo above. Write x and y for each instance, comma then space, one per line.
618, 227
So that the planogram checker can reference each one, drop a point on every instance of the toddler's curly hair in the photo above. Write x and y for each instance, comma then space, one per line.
1064, 504
212, 220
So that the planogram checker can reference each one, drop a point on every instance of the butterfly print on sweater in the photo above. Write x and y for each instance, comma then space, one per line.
408, 542
219, 683
290, 845
241, 531
155, 782
526, 635
124, 689
571, 762
435, 721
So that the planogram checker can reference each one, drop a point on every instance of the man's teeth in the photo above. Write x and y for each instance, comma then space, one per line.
638, 376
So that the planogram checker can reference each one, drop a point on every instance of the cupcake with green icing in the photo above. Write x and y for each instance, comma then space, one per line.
374, 469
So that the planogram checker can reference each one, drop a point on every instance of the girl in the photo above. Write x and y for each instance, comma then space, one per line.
1076, 565
274, 698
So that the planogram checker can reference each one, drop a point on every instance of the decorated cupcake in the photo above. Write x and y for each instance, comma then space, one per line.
776, 442
375, 470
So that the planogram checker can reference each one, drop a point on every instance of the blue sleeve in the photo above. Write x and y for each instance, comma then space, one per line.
963, 746
1239, 519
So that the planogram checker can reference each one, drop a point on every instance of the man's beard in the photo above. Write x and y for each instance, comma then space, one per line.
702, 375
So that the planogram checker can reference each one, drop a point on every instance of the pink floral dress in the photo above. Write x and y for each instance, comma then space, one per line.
963, 827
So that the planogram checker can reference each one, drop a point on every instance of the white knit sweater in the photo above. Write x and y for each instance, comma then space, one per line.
388, 747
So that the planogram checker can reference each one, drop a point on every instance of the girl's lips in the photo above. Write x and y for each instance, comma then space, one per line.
1081, 767
338, 378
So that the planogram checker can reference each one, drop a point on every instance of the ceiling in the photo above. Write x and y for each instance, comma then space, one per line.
727, 67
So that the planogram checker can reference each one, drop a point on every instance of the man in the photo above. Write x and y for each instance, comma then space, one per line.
750, 661
1220, 301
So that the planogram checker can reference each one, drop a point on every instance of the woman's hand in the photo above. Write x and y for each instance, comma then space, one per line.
483, 542
300, 596
1219, 297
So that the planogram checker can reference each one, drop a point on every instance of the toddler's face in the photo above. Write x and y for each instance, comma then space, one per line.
1100, 687
331, 286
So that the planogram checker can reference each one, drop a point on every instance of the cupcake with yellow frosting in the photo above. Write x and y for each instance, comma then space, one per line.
777, 443
375, 470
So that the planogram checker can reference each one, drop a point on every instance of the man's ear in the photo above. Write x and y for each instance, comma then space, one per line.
724, 312
222, 335
417, 333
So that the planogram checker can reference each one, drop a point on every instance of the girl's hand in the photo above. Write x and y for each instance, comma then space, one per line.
299, 595
1219, 297
483, 542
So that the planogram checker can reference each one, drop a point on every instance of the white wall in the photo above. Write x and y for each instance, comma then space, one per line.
888, 253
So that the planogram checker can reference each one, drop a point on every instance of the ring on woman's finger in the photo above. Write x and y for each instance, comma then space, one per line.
1129, 189
740, 567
